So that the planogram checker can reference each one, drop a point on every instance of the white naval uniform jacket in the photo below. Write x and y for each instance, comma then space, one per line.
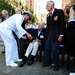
13, 24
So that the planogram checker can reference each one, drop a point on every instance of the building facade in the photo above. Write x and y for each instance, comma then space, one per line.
29, 4
66, 3
35, 6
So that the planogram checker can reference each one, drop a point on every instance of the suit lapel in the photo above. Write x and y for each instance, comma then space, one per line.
40, 33
54, 13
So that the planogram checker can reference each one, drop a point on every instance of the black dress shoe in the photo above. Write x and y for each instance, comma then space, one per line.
56, 68
30, 62
21, 64
3, 52
46, 64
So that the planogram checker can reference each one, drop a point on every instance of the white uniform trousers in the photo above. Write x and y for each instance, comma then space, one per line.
11, 50
32, 48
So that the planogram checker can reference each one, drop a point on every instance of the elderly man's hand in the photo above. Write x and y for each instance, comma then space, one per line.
60, 38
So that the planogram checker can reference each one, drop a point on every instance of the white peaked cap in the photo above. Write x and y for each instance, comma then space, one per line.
27, 12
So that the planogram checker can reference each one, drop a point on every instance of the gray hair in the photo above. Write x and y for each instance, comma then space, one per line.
18, 10
52, 2
42, 23
4, 11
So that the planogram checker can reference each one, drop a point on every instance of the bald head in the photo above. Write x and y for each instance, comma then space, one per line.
18, 10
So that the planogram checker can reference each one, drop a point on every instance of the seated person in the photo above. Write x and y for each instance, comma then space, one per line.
33, 46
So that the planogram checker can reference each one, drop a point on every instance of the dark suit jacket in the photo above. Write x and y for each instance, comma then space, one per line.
41, 36
23, 25
70, 38
56, 24
4, 19
34, 33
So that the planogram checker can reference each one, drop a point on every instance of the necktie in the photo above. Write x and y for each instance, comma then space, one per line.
50, 14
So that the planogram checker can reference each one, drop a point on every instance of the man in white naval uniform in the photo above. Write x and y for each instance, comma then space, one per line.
6, 28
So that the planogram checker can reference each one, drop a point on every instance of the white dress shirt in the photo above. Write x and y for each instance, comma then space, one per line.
39, 31
71, 19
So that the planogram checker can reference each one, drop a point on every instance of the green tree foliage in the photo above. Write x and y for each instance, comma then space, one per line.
33, 18
10, 6
67, 18
5, 5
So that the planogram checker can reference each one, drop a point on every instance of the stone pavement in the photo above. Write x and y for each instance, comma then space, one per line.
35, 69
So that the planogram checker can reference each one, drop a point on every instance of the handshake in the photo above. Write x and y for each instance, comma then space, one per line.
27, 36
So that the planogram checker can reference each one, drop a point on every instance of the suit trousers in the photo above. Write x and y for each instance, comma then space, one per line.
51, 48
22, 46
11, 50
32, 48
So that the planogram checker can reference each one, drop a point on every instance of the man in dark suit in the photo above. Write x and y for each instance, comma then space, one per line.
4, 15
21, 42
33, 46
54, 35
